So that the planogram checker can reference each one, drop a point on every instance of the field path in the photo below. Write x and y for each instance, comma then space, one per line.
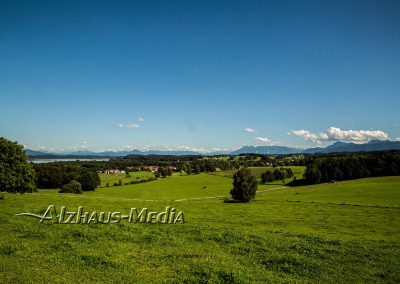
223, 196
153, 200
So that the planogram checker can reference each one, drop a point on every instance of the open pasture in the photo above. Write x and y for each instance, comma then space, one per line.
301, 234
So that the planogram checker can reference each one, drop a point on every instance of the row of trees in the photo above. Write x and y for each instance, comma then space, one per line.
352, 166
277, 174
119, 183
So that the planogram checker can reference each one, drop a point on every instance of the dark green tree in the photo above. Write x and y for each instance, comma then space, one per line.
16, 174
244, 185
89, 180
278, 174
188, 169
163, 171
288, 173
268, 176
196, 169
169, 171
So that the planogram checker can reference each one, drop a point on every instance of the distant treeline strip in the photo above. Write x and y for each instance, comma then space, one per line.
320, 169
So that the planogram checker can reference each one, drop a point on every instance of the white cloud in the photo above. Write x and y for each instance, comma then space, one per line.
76, 148
38, 148
41, 148
128, 147
132, 125
335, 133
140, 118
263, 140
269, 142
202, 150
305, 134
249, 130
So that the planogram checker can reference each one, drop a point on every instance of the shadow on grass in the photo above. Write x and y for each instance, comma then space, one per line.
229, 200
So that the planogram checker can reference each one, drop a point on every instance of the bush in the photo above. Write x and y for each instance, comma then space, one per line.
72, 187
244, 186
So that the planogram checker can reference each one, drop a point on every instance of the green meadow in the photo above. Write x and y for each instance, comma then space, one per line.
110, 179
346, 232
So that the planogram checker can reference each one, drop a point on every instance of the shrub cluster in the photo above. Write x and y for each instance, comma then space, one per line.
72, 187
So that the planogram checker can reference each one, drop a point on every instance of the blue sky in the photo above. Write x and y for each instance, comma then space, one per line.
81, 74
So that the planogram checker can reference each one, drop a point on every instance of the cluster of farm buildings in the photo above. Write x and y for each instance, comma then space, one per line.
152, 169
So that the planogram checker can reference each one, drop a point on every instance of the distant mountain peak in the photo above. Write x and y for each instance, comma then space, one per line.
375, 141
338, 146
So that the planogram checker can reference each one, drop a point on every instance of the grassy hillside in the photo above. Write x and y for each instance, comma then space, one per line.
115, 178
298, 234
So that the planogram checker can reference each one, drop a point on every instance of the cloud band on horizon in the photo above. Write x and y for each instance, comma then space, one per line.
132, 125
335, 133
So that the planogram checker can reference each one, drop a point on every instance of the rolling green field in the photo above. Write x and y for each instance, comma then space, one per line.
115, 178
344, 232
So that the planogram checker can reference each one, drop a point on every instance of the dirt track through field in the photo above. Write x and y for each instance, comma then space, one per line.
153, 200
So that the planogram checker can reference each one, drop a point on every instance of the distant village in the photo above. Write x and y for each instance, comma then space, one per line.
151, 169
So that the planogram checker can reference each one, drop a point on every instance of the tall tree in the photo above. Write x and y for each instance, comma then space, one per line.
244, 185
89, 180
16, 174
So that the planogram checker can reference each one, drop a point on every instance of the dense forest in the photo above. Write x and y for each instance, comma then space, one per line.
346, 166
55, 175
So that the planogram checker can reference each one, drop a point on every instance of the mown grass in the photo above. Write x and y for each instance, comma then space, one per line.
302, 234
381, 191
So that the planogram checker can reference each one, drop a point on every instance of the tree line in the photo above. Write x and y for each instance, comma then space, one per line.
194, 164
320, 169
276, 174
55, 175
